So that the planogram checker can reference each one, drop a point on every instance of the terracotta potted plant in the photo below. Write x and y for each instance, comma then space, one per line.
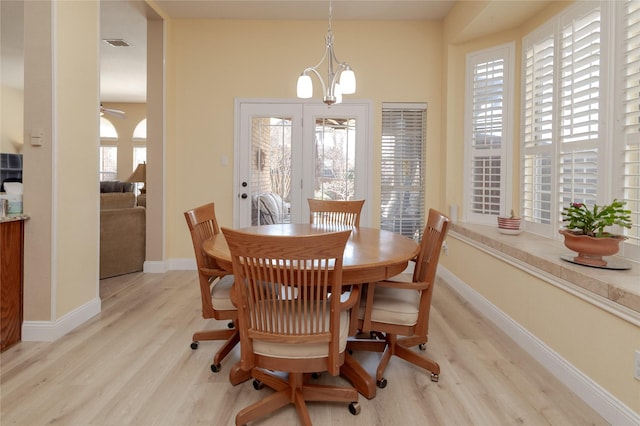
585, 230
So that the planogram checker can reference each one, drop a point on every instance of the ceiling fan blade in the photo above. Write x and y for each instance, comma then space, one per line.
113, 112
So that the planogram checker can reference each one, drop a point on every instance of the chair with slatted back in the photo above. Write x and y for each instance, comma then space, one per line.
215, 284
335, 212
291, 316
398, 309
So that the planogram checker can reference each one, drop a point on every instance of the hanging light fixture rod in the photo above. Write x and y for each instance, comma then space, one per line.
340, 80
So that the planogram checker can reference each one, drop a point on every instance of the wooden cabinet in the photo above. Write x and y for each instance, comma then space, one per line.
11, 268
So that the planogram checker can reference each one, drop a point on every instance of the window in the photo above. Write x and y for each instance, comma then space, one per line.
108, 151
488, 134
140, 132
581, 114
108, 163
402, 192
107, 130
139, 149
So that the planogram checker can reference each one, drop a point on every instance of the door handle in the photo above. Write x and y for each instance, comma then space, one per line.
244, 194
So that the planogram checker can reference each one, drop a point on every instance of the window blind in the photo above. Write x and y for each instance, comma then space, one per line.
579, 131
487, 135
537, 125
561, 129
402, 193
487, 113
581, 128
630, 68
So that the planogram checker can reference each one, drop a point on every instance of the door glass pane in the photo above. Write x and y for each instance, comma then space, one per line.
335, 158
270, 170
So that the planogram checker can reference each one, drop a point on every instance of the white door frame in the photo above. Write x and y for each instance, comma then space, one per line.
364, 152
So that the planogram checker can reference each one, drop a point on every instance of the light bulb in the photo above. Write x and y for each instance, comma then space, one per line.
337, 92
348, 81
305, 87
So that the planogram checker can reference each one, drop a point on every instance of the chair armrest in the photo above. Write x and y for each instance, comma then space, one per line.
402, 285
350, 299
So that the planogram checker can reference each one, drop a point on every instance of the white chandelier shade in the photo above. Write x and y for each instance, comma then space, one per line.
341, 80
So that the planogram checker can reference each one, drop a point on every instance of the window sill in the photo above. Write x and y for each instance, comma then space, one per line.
620, 289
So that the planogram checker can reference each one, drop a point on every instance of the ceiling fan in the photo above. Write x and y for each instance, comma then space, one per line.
113, 112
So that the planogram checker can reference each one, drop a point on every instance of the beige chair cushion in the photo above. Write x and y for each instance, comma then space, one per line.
220, 294
297, 350
394, 306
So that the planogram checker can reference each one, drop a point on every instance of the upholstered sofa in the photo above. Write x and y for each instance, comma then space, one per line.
122, 230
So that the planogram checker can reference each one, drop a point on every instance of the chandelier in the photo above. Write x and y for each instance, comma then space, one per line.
340, 81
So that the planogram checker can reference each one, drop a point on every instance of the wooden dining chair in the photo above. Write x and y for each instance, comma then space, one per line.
398, 309
292, 317
335, 212
215, 284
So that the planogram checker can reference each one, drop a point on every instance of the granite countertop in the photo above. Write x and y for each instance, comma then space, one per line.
14, 217
619, 286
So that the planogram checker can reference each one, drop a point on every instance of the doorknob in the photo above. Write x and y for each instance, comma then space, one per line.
243, 195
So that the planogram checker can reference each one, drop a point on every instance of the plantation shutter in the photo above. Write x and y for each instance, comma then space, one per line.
488, 135
402, 193
630, 68
538, 129
579, 109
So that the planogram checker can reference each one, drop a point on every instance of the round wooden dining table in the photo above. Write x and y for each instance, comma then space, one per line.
370, 255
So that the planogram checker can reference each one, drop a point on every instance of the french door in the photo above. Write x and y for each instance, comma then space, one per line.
286, 152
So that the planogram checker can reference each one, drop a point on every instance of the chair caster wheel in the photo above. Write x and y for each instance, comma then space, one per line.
354, 408
315, 375
215, 367
422, 346
194, 345
257, 384
382, 383
435, 377
231, 325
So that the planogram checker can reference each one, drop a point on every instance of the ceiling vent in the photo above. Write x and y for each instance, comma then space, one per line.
116, 42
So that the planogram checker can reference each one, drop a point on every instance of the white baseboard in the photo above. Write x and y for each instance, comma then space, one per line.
155, 267
48, 331
598, 398
160, 267
182, 265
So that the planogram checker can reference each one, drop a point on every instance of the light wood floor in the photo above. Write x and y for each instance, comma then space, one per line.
132, 365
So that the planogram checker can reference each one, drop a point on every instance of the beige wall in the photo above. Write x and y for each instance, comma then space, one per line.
11, 119
214, 62
76, 155
60, 177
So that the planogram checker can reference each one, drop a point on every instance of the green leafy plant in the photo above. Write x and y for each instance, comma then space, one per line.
591, 221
